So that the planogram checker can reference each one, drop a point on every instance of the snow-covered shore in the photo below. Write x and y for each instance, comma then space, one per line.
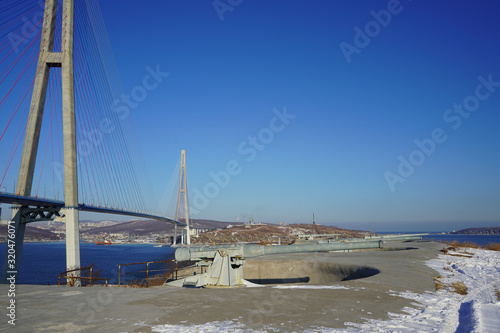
444, 310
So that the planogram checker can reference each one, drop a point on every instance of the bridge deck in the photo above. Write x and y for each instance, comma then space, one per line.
13, 199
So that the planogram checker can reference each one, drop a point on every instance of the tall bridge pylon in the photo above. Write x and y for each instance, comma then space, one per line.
182, 195
69, 213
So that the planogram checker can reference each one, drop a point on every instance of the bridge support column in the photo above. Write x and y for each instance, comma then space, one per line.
72, 239
32, 135
187, 234
183, 196
174, 241
46, 60
69, 144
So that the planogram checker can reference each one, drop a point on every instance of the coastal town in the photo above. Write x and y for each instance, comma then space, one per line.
101, 233
109, 232
158, 232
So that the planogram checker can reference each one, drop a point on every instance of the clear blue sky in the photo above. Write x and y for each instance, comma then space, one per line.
356, 103
353, 120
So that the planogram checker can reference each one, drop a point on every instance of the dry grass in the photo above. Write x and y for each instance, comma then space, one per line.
459, 287
445, 250
135, 284
493, 247
469, 245
451, 248
439, 285
456, 246
158, 280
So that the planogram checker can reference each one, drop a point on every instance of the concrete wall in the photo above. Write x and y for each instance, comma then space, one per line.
279, 271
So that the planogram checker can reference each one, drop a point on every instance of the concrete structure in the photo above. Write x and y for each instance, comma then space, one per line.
313, 236
357, 299
182, 196
46, 60
224, 263
69, 135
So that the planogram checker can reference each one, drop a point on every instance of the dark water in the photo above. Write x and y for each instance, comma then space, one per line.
478, 239
42, 262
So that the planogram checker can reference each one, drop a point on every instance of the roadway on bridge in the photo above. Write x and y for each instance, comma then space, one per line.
39, 202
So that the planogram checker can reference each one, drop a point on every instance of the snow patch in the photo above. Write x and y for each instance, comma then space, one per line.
305, 286
214, 326
447, 311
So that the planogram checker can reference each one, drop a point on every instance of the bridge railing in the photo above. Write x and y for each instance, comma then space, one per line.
70, 278
158, 275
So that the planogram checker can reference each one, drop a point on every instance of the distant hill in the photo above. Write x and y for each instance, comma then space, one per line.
212, 224
478, 231
138, 228
32, 234
269, 233
43, 231
147, 227
223, 232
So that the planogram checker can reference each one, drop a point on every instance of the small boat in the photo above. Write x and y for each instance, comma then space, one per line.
106, 242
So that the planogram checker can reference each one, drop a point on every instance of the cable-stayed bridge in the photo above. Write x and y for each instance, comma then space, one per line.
63, 125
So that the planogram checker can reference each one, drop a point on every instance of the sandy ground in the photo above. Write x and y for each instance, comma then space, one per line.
290, 307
